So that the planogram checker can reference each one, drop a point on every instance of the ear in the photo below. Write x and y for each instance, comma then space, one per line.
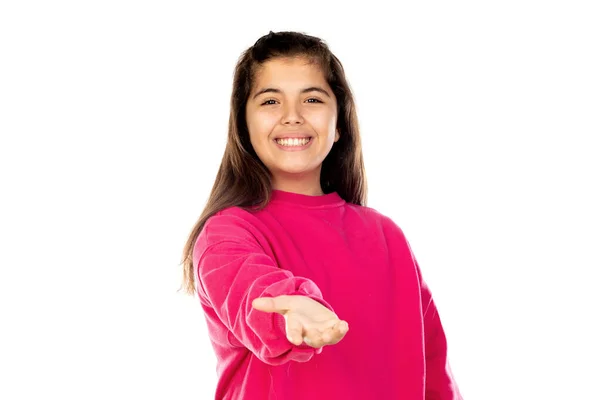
337, 135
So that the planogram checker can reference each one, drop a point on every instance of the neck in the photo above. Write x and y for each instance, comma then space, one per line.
301, 185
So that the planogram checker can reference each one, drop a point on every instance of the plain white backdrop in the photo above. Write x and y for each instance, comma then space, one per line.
480, 124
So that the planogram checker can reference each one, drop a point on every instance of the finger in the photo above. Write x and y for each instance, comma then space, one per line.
293, 330
313, 338
327, 325
278, 304
337, 333
331, 336
343, 327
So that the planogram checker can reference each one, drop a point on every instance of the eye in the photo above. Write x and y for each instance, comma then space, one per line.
271, 101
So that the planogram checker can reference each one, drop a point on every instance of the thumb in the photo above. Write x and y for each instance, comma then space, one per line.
278, 304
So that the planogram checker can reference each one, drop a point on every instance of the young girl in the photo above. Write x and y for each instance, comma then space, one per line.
307, 293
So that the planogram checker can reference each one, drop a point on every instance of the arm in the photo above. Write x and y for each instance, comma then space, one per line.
233, 269
439, 382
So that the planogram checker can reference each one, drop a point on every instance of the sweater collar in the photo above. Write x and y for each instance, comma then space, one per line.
303, 200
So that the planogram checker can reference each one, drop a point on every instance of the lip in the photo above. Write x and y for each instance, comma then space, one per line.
295, 148
295, 135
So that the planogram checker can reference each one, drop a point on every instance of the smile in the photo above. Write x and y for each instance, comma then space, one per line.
293, 143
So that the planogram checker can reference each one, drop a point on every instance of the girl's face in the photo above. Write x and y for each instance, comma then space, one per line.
291, 116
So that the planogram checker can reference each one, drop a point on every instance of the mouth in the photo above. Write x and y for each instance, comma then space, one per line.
293, 143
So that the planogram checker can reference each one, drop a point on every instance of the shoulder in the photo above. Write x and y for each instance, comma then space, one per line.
229, 222
391, 232
233, 226
234, 213
373, 214
376, 217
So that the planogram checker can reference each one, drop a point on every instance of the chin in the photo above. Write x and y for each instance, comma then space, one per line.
295, 169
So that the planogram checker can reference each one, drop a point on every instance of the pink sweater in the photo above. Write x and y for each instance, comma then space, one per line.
352, 259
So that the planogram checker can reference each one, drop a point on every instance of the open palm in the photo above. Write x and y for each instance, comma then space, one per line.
305, 320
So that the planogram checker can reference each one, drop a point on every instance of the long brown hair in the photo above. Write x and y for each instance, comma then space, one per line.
242, 179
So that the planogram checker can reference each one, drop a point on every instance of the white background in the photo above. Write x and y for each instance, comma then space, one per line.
480, 124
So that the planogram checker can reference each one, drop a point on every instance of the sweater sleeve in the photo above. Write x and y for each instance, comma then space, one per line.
232, 269
439, 382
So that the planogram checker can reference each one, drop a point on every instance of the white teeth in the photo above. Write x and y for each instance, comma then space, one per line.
293, 142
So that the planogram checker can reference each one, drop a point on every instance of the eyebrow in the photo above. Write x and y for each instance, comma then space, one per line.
306, 90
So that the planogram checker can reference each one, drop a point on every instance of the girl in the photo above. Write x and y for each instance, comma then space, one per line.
286, 244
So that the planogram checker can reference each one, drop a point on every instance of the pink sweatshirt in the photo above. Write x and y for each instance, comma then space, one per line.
350, 258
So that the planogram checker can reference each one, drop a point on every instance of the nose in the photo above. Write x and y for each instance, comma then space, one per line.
291, 115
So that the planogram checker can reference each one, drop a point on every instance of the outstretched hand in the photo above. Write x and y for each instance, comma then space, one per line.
305, 320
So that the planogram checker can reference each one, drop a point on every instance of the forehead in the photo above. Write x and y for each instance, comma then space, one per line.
288, 72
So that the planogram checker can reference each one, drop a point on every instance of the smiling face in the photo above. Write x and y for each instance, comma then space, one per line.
291, 116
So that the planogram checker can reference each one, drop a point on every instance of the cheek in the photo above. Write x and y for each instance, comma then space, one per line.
259, 129
326, 122
324, 114
260, 124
